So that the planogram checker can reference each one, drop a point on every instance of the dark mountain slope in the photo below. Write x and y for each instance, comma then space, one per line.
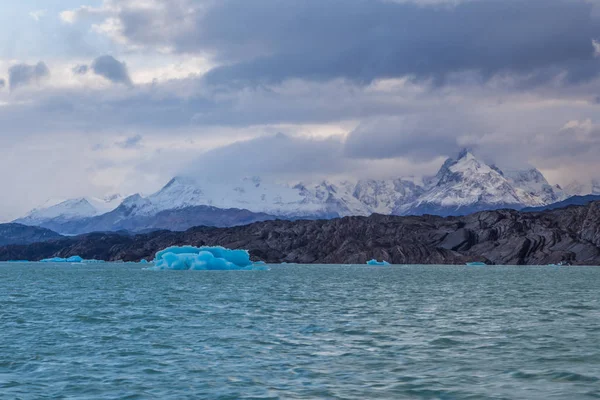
123, 218
499, 237
23, 234
571, 201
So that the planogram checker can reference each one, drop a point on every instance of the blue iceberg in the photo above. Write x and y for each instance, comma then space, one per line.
476, 264
73, 259
205, 259
377, 263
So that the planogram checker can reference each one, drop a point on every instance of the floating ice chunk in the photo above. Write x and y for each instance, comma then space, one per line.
73, 259
375, 262
143, 261
476, 264
204, 258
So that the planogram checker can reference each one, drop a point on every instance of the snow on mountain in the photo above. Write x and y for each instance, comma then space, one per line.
534, 183
324, 199
576, 188
105, 204
383, 197
467, 185
461, 186
71, 209
137, 205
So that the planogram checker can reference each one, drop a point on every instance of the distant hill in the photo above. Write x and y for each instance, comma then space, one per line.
23, 234
571, 201
125, 218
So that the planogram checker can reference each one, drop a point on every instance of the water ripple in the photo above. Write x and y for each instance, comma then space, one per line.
299, 332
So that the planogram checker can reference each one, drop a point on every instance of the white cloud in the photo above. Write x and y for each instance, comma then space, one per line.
37, 14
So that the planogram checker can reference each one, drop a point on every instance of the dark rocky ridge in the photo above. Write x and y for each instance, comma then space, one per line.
499, 237
23, 234
571, 201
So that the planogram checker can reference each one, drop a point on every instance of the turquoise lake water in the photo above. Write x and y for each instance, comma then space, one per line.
114, 331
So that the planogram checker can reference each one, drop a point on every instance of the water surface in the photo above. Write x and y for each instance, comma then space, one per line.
114, 331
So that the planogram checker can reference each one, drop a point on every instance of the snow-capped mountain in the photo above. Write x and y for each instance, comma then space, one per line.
323, 200
382, 197
461, 186
468, 185
71, 209
533, 182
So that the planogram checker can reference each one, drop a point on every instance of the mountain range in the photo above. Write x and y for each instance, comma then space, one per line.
462, 186
570, 235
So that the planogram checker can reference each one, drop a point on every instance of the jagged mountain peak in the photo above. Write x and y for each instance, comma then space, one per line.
461, 185
133, 200
65, 210
465, 153
469, 184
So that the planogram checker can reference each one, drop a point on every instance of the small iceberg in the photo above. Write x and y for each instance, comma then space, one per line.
73, 260
377, 263
205, 259
476, 264
560, 264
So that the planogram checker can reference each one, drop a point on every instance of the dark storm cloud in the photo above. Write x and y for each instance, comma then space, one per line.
111, 69
362, 40
25, 74
423, 136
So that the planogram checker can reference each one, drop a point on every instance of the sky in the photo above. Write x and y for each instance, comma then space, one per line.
117, 96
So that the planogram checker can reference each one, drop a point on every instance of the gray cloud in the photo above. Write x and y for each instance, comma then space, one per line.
130, 142
2, 84
25, 74
293, 66
363, 40
80, 69
109, 68
419, 136
279, 155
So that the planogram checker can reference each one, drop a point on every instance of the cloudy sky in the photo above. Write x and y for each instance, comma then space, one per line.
105, 96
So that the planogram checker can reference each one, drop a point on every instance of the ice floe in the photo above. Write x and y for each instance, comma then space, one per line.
73, 259
379, 263
205, 258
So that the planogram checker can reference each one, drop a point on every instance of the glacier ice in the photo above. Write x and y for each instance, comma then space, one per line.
204, 258
375, 262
